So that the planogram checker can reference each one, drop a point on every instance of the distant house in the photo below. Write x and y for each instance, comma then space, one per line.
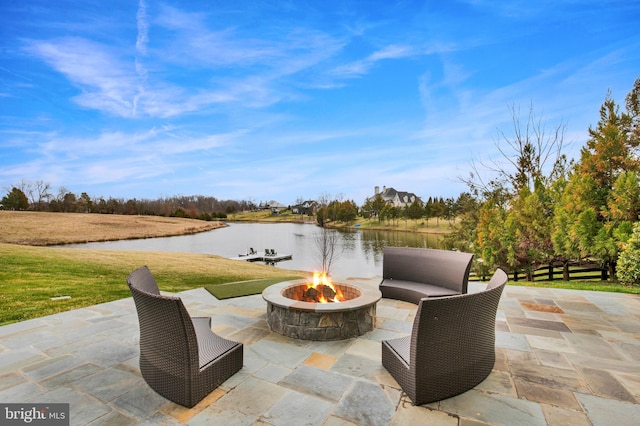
272, 205
395, 198
309, 207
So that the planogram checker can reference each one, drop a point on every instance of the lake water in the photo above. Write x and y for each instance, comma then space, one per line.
360, 251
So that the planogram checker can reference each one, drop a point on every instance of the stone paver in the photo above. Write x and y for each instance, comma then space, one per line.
320, 383
607, 412
298, 409
367, 404
494, 409
562, 358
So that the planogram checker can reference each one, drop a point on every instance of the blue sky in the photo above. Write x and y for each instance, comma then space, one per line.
261, 100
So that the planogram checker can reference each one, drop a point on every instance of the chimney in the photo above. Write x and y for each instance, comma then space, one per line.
376, 190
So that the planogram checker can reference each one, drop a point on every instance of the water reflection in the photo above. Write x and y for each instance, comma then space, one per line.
360, 250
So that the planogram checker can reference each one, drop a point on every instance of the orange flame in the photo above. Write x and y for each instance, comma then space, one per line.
321, 278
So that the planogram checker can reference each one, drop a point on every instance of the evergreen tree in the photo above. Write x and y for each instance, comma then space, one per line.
492, 243
15, 200
601, 200
609, 151
415, 210
530, 219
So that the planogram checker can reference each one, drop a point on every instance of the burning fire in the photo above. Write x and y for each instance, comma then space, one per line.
322, 290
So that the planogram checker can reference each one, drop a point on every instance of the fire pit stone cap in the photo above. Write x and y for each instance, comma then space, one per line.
273, 294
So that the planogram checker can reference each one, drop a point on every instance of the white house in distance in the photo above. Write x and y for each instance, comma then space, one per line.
395, 198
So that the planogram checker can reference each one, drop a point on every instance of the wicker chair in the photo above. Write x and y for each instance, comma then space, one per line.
452, 345
410, 274
180, 357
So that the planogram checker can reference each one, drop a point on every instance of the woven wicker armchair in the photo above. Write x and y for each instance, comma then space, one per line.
410, 274
452, 345
180, 357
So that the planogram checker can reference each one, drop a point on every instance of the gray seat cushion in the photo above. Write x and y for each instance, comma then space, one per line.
411, 291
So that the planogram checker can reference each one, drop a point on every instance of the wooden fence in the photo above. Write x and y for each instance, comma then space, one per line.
554, 272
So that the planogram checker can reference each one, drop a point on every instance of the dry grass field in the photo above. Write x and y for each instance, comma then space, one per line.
43, 229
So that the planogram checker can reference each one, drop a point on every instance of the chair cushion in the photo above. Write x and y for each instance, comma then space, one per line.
411, 291
210, 345
402, 347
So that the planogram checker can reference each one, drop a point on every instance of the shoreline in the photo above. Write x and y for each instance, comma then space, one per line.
433, 231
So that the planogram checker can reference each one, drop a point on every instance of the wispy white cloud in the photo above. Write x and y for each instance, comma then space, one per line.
143, 28
114, 158
202, 44
105, 80
516, 8
471, 118
165, 141
141, 50
363, 66
111, 83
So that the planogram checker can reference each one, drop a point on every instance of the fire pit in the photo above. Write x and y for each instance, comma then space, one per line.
300, 310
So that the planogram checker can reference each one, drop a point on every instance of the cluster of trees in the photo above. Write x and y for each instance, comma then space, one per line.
541, 209
435, 207
37, 196
347, 211
336, 211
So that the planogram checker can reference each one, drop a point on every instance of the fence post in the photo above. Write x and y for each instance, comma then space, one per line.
551, 272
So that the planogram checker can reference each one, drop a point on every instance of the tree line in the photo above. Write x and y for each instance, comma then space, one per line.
38, 196
538, 208
434, 208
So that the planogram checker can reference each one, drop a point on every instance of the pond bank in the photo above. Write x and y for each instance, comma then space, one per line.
438, 229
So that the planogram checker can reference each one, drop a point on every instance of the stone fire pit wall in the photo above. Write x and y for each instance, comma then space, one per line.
320, 321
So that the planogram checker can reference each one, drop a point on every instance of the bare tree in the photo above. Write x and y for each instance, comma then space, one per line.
327, 240
329, 248
38, 192
27, 188
529, 155
42, 194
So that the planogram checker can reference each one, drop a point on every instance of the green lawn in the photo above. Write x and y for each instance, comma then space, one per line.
33, 278
580, 285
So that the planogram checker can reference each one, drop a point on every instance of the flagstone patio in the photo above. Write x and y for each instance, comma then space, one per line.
563, 358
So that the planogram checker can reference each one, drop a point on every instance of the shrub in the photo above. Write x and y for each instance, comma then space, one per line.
629, 259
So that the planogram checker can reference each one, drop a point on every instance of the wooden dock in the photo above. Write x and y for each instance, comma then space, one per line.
272, 258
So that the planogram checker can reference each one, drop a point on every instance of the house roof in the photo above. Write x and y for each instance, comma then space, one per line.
271, 204
390, 194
